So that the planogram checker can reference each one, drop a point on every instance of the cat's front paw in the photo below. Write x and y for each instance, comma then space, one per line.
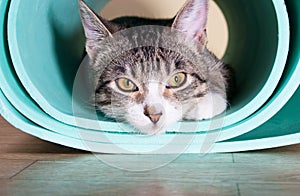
207, 107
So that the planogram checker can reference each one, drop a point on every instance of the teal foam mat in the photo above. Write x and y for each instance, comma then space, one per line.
29, 101
258, 46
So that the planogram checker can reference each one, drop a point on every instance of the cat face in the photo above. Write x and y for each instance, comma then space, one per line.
152, 87
149, 87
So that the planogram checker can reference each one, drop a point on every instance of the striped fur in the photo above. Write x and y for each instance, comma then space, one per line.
149, 56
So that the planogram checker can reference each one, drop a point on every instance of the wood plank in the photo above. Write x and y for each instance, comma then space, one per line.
284, 155
87, 187
276, 189
10, 168
20, 139
4, 123
119, 160
45, 147
4, 186
176, 172
48, 156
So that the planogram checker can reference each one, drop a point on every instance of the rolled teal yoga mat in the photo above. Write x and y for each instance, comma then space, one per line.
27, 94
258, 48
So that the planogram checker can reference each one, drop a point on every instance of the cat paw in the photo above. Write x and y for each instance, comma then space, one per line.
205, 108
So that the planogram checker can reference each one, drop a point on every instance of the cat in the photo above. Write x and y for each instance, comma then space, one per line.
152, 87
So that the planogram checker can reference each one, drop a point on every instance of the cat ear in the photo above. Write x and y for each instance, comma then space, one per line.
95, 27
192, 19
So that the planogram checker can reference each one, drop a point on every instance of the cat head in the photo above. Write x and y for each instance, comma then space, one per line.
149, 85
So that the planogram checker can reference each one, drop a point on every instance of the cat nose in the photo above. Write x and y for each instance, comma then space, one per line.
152, 114
155, 117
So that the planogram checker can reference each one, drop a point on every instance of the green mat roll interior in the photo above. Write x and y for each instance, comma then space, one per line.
41, 52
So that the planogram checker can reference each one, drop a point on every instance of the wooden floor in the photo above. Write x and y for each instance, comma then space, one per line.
29, 166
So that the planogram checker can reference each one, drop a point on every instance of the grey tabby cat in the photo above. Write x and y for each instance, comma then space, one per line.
152, 87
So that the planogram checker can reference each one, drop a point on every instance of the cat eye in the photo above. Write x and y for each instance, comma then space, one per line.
177, 80
126, 85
